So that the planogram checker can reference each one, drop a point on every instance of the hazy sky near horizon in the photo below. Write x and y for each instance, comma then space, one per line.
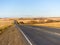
29, 8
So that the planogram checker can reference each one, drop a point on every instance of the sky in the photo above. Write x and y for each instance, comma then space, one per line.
29, 8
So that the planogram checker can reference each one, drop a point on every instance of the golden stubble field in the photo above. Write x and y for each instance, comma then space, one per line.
5, 24
48, 24
53, 25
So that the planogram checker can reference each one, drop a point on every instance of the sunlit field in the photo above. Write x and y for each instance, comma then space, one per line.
54, 24
5, 24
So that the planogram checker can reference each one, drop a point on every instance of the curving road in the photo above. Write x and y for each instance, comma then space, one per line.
42, 35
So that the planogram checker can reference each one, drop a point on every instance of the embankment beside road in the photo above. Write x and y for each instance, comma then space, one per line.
12, 36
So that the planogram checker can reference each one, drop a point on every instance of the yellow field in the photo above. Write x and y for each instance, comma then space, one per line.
55, 24
4, 25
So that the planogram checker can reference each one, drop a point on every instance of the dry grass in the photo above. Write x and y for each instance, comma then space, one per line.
54, 25
4, 25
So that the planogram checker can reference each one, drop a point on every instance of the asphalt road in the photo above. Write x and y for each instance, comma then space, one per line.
42, 35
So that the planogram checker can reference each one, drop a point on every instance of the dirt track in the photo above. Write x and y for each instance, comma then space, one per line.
12, 37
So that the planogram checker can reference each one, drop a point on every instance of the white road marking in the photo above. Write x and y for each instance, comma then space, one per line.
25, 36
53, 33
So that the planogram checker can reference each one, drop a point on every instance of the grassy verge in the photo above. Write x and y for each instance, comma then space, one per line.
4, 25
